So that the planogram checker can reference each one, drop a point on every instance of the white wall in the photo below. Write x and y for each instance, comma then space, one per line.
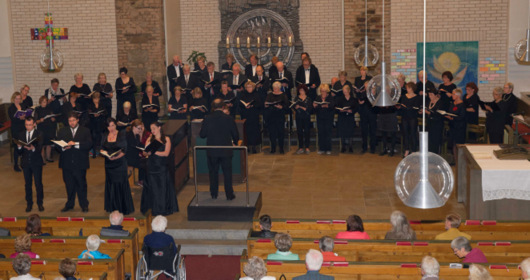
517, 74
6, 61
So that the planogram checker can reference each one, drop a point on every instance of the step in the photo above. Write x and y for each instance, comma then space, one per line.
211, 234
212, 247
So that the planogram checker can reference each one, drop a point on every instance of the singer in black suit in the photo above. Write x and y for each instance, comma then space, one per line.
236, 81
280, 75
209, 91
187, 82
32, 162
74, 161
250, 69
309, 76
174, 71
220, 129
262, 84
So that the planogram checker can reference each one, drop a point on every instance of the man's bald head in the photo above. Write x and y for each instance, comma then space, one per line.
176, 60
218, 104
279, 66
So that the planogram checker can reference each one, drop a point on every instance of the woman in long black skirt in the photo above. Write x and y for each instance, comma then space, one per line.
303, 107
250, 106
324, 109
346, 106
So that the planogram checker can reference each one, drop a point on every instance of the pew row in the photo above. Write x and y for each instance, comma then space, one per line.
78, 226
400, 251
72, 246
425, 230
114, 268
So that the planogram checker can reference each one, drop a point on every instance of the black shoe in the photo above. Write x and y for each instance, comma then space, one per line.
350, 150
16, 168
65, 209
28, 208
281, 151
273, 150
254, 150
49, 160
391, 154
372, 151
41, 208
343, 149
214, 196
230, 197
85, 209
384, 152
363, 151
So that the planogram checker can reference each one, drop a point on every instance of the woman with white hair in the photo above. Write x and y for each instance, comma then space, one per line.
276, 106
401, 229
496, 117
158, 238
457, 124
22, 266
255, 269
82, 90
325, 111
479, 272
430, 268
525, 269
126, 116
92, 245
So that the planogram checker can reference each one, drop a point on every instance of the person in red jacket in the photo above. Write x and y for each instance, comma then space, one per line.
326, 245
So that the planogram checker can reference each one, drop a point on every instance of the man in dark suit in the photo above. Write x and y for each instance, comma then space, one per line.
209, 91
511, 102
174, 71
74, 161
262, 83
273, 70
250, 69
308, 74
282, 75
32, 162
237, 80
188, 82
220, 129
313, 263
265, 224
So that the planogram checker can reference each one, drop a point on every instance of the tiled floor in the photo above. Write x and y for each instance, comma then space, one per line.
293, 186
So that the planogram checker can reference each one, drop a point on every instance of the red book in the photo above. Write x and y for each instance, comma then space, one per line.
274, 263
114, 241
339, 221
421, 243
413, 265
9, 219
263, 241
85, 263
323, 222
403, 243
292, 222
129, 219
484, 243
472, 222
37, 240
503, 243
63, 219
38, 262
489, 223
340, 264
417, 222
77, 219
57, 241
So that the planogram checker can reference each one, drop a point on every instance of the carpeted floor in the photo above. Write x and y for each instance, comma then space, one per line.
212, 268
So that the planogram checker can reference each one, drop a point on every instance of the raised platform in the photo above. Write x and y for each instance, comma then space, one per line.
221, 209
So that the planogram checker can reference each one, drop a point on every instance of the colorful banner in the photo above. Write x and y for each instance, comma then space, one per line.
41, 33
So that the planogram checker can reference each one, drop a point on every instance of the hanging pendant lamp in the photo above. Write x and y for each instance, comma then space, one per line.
366, 54
522, 48
424, 180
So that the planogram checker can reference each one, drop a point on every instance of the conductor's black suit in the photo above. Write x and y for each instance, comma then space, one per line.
32, 165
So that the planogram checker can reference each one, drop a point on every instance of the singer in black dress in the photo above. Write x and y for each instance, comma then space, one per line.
228, 97
446, 88
158, 193
250, 113
410, 105
82, 90
496, 119
276, 106
105, 91
73, 105
17, 124
346, 106
46, 123
117, 190
368, 115
126, 116
325, 111
157, 91
125, 90
98, 115
150, 107
56, 97
178, 105
336, 90
435, 121
198, 105
303, 107
457, 124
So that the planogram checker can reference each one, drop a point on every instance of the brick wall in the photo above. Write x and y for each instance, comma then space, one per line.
91, 47
201, 28
453, 20
321, 32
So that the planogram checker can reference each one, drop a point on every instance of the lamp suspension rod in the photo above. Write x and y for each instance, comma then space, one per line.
424, 76
383, 32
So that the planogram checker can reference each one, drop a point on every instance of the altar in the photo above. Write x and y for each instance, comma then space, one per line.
492, 189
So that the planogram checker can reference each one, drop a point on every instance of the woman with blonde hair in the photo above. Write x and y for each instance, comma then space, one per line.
105, 90
479, 272
324, 109
23, 246
83, 91
276, 106
26, 99
17, 123
255, 269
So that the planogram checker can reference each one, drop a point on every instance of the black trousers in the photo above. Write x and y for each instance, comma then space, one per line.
303, 129
325, 129
30, 173
436, 138
496, 138
276, 133
16, 154
409, 129
389, 134
213, 167
75, 182
368, 128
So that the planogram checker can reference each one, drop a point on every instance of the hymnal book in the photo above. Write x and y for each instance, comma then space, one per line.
78, 112
260, 82
196, 72
229, 100
300, 83
105, 93
246, 103
358, 89
444, 113
321, 103
242, 84
186, 90
199, 107
50, 116
178, 109
226, 71
343, 108
272, 103
23, 113
86, 95
152, 147
98, 112
336, 90
60, 143
283, 81
23, 143
106, 154
149, 105
214, 82
123, 124
59, 95
293, 103
493, 105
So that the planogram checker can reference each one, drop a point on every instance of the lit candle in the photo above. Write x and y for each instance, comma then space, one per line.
237, 40
279, 41
248, 41
290, 41
258, 41
227, 40
269, 40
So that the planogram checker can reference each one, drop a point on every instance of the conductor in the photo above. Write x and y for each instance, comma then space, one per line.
220, 129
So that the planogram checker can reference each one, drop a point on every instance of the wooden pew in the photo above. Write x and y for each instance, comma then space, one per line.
72, 246
114, 268
71, 226
401, 251
425, 230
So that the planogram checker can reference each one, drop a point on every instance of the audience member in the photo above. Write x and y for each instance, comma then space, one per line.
67, 269
255, 269
525, 269
355, 229
265, 224
462, 249
452, 222
158, 238
33, 226
479, 272
22, 265
283, 243
326, 245
400, 227
92, 245
313, 263
115, 229
430, 268
5, 232
23, 245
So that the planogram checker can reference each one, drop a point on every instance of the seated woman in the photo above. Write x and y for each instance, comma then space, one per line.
22, 266
126, 116
283, 243
479, 272
463, 250
158, 238
33, 226
355, 229
23, 246
401, 229
67, 269
255, 269
92, 245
